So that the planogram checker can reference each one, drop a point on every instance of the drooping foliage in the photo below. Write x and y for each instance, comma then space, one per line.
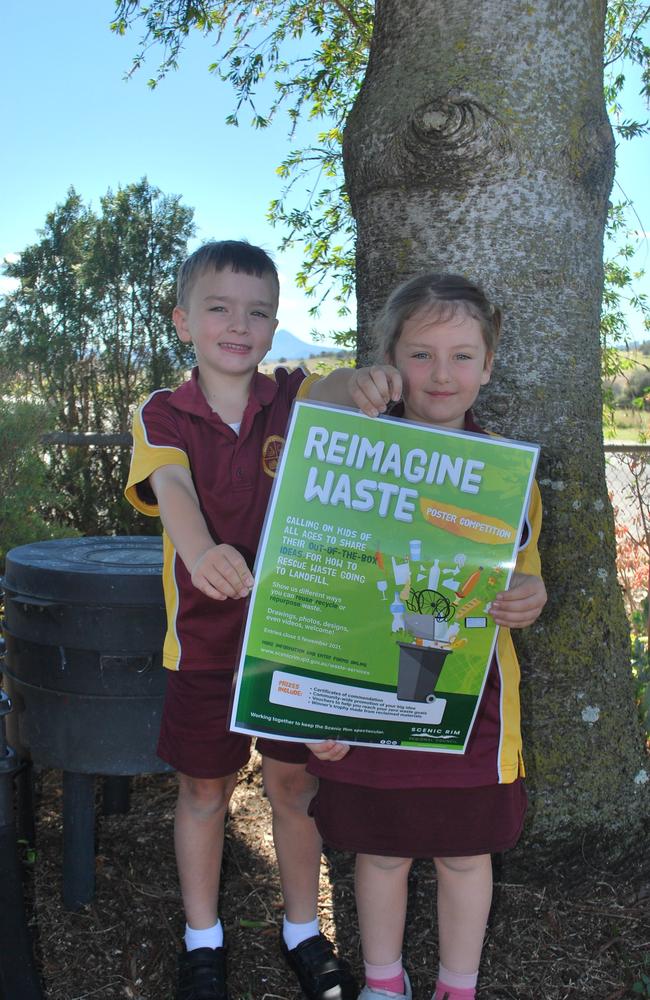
626, 45
316, 53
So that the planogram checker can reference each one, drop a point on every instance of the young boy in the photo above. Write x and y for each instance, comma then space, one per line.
204, 457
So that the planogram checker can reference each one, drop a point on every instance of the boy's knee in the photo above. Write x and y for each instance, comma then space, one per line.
206, 795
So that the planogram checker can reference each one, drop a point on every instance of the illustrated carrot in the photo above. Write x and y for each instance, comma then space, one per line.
379, 559
469, 584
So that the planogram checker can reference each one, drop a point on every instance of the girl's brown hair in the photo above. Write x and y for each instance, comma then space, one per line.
443, 295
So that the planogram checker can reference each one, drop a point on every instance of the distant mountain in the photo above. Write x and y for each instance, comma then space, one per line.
285, 345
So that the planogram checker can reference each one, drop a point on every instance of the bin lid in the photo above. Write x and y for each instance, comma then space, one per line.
115, 570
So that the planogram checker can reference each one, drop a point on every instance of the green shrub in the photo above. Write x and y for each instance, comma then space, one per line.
26, 498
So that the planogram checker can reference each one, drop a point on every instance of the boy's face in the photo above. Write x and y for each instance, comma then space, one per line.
230, 321
443, 364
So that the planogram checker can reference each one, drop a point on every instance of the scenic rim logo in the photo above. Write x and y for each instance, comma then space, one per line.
271, 451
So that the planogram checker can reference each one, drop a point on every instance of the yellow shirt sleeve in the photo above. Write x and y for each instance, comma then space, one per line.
528, 560
303, 391
147, 456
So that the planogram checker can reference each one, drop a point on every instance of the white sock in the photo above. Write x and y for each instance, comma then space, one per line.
206, 937
295, 934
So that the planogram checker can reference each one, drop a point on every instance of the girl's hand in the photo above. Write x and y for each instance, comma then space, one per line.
521, 604
329, 750
372, 389
222, 572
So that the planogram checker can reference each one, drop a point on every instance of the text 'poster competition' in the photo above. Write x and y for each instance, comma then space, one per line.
384, 544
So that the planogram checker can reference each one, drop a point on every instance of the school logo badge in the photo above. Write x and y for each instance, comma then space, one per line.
271, 451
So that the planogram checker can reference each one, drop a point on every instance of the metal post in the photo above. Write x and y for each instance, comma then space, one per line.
24, 805
78, 839
18, 977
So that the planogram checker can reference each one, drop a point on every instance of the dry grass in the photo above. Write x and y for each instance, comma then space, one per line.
321, 363
629, 424
584, 941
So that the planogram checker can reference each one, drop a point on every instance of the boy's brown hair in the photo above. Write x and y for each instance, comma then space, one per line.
221, 255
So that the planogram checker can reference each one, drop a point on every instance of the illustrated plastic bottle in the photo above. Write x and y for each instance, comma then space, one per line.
397, 611
434, 576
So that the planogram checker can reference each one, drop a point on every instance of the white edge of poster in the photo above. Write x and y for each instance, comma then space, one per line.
298, 405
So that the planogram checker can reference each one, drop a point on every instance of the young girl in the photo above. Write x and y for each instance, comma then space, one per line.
437, 336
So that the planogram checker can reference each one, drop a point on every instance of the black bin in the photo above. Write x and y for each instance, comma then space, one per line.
418, 672
84, 627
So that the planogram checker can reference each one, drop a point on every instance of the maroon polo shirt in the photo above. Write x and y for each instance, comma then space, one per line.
233, 474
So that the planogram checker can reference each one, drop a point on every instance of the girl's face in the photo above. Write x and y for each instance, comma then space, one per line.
443, 363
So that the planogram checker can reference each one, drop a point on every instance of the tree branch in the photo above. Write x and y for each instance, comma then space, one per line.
632, 33
356, 24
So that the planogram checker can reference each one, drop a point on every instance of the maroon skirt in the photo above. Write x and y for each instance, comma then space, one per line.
420, 822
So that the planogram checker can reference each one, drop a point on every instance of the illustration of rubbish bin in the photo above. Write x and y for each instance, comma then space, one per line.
418, 671
420, 663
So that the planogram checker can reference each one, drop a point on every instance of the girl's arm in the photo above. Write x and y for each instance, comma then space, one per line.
525, 598
522, 603
329, 749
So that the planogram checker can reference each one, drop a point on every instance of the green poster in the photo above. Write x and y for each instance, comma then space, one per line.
383, 545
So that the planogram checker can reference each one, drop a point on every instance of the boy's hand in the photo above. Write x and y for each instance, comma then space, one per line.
372, 389
222, 572
329, 750
521, 604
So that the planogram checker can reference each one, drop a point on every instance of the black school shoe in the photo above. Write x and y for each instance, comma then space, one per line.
322, 976
202, 974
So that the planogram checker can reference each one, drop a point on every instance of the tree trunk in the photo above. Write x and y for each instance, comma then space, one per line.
480, 143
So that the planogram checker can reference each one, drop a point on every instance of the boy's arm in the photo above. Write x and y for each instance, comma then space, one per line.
160, 484
369, 389
219, 571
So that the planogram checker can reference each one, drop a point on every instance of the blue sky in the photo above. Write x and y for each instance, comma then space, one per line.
70, 119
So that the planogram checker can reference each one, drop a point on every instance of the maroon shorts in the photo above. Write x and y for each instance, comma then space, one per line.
420, 822
194, 736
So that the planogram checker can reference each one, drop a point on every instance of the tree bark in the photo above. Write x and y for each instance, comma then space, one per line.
480, 143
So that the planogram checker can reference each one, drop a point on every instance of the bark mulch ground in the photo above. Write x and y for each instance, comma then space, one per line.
587, 940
